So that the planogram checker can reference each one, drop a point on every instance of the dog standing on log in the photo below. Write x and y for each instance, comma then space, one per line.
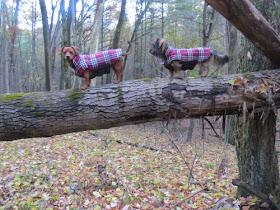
90, 66
176, 60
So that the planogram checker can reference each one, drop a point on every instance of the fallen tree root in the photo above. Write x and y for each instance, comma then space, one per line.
267, 198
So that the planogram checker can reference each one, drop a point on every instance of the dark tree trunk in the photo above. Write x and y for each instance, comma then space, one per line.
256, 153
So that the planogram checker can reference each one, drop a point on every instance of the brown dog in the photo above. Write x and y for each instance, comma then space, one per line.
90, 66
183, 59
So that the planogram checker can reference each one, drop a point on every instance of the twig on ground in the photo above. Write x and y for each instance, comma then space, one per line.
142, 146
170, 138
191, 195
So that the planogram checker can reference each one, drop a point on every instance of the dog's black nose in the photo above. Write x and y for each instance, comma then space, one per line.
68, 57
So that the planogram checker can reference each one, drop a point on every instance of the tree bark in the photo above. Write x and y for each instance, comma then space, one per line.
256, 153
132, 102
247, 19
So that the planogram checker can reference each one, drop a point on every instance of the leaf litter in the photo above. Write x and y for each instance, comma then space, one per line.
90, 170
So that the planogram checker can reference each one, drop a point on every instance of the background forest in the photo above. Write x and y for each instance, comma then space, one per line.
94, 26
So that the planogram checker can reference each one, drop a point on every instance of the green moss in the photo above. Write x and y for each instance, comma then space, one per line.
29, 103
37, 114
75, 96
147, 79
47, 102
11, 97
120, 92
248, 75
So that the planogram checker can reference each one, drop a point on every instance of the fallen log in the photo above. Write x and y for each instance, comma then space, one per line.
43, 114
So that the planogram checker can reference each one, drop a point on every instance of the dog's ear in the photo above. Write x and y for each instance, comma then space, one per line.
60, 50
77, 50
162, 44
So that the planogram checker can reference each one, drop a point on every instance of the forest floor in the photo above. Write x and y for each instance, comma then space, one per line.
100, 170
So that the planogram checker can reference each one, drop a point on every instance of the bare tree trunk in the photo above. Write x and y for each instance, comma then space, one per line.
34, 63
117, 35
232, 38
46, 43
66, 30
96, 28
13, 69
208, 23
5, 48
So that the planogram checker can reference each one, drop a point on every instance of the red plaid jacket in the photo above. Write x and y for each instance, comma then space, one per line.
98, 61
189, 57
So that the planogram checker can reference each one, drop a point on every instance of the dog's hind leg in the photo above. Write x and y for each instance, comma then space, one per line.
204, 69
86, 75
118, 68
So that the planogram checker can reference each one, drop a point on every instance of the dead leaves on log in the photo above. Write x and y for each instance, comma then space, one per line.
262, 91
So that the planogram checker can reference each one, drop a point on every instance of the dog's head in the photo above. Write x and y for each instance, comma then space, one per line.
159, 47
69, 52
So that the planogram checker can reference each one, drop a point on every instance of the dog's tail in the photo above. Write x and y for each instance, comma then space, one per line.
219, 60
130, 50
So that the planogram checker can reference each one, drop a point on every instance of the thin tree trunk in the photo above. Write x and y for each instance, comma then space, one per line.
46, 43
13, 69
231, 31
117, 35
64, 77
5, 47
96, 28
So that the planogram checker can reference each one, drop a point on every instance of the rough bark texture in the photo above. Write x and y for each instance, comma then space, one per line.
258, 162
247, 19
51, 113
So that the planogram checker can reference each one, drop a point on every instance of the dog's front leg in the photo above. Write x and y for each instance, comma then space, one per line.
177, 68
86, 75
171, 72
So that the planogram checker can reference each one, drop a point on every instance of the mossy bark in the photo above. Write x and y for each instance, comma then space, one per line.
257, 158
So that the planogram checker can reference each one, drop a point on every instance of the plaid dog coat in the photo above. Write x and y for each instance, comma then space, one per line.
100, 63
187, 57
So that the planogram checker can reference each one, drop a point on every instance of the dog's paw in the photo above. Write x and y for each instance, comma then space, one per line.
84, 87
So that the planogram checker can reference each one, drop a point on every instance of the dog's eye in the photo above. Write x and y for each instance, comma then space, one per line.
72, 52
64, 52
